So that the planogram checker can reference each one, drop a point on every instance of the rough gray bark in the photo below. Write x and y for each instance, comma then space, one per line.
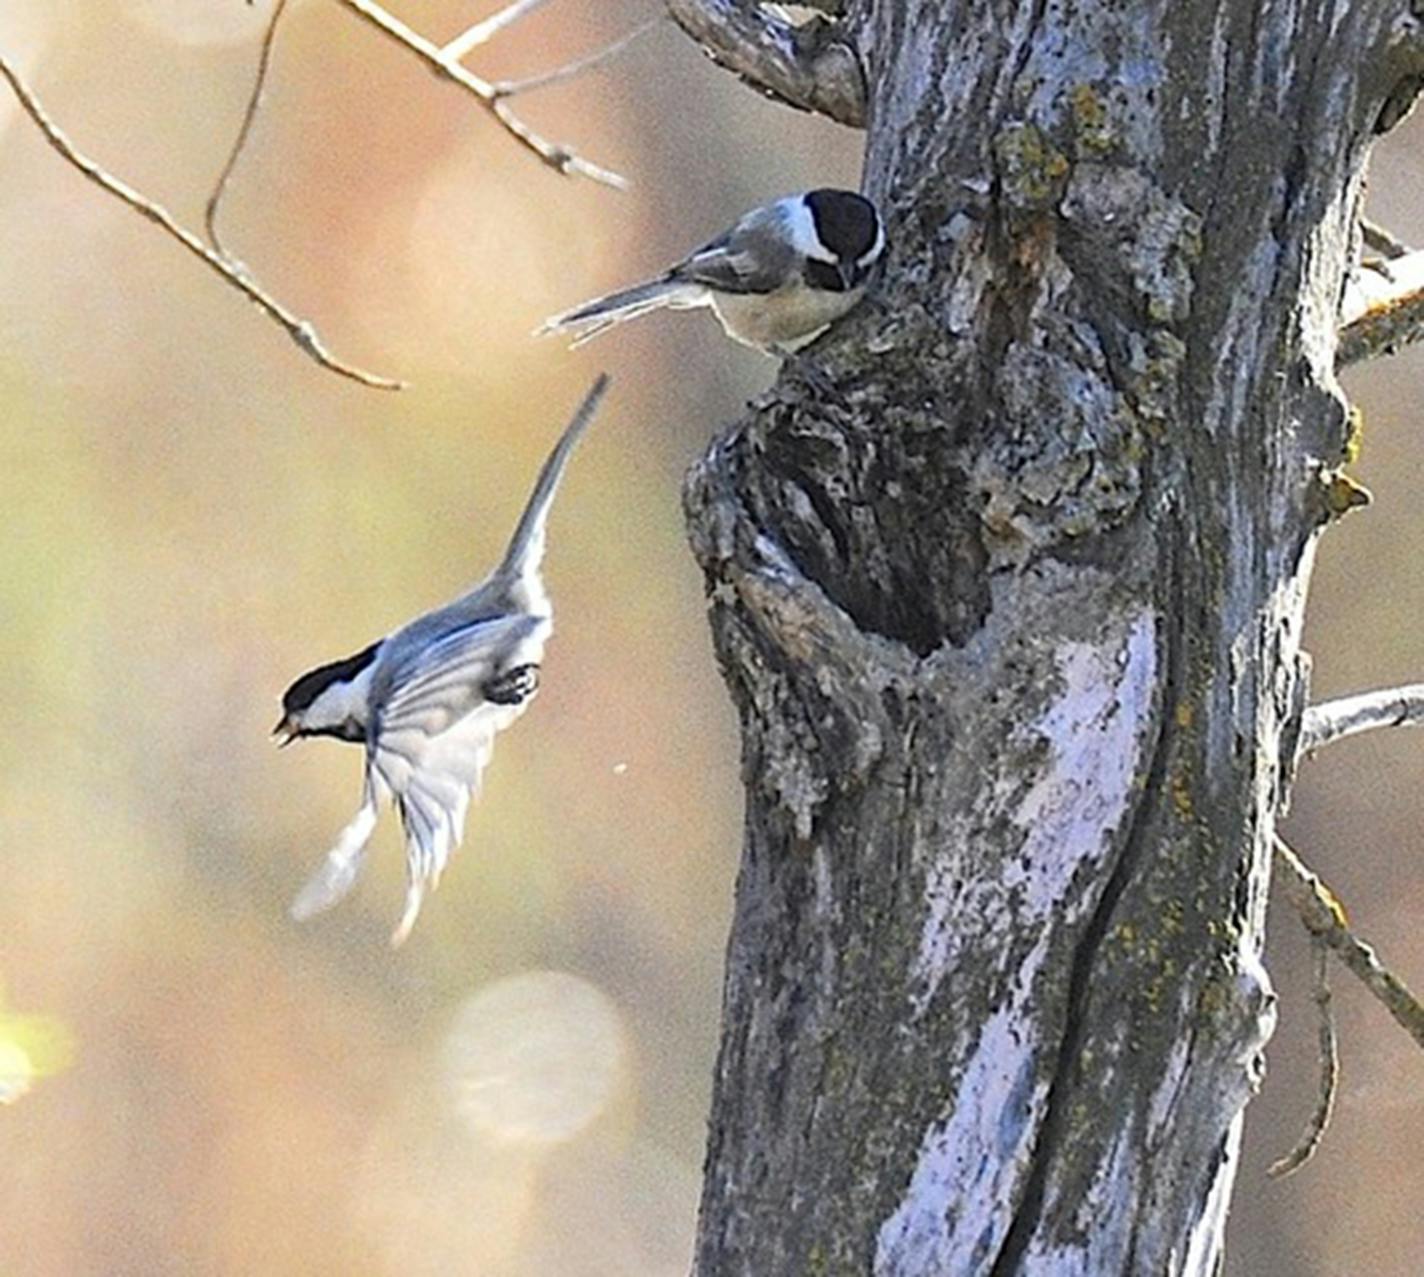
1012, 620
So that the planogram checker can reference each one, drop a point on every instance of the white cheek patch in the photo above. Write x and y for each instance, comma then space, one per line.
801, 228
869, 259
342, 702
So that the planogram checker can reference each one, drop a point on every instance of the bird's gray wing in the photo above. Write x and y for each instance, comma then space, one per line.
442, 678
753, 257
433, 733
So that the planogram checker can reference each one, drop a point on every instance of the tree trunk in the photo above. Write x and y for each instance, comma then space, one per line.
1011, 617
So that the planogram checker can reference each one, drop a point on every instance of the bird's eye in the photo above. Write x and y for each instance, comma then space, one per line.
823, 275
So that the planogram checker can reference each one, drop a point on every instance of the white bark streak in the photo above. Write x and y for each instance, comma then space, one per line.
973, 1156
1093, 731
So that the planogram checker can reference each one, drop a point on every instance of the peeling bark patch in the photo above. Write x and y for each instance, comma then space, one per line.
1082, 792
970, 1157
1135, 238
1121, 246
1111, 54
1104, 1214
1091, 730
1072, 475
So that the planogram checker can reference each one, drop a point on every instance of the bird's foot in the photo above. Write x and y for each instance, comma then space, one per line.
514, 686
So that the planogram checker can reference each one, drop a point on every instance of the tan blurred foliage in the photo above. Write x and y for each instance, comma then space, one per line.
193, 514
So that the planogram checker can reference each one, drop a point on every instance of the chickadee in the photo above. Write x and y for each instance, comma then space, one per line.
776, 281
428, 701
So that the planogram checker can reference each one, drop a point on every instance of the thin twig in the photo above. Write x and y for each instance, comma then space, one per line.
1383, 313
482, 32
264, 61
556, 156
1324, 916
1314, 1132
1382, 240
1330, 721
297, 328
511, 88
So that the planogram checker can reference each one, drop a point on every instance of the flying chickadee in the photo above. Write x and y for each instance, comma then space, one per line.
776, 280
428, 701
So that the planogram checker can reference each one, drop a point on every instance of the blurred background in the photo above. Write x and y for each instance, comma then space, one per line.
194, 513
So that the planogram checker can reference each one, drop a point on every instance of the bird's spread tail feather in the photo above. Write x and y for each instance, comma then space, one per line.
433, 814
342, 864
603, 313
526, 546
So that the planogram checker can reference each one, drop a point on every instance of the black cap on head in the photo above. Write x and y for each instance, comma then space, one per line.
846, 222
312, 684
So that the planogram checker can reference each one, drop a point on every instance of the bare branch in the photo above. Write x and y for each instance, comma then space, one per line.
510, 88
297, 328
1330, 721
482, 32
1382, 240
809, 66
1383, 312
1314, 1132
264, 62
1324, 916
553, 154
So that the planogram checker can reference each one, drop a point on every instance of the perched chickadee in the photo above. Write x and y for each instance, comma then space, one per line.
776, 281
428, 701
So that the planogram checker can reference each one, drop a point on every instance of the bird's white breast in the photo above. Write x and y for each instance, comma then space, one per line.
783, 320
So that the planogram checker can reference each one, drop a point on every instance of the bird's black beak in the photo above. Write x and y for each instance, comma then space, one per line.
287, 730
848, 273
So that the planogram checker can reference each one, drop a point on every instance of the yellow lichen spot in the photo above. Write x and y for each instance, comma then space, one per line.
1213, 999
1182, 795
1184, 714
1092, 128
1343, 494
1354, 434
1160, 309
1088, 108
1033, 169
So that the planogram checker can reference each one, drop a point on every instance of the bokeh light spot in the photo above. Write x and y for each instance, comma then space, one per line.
31, 1047
17, 1071
535, 1058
